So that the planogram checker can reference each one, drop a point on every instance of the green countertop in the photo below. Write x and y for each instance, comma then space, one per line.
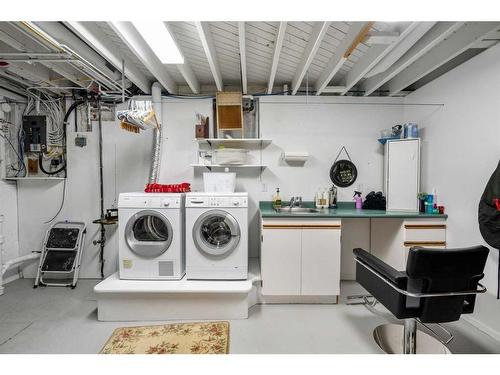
344, 210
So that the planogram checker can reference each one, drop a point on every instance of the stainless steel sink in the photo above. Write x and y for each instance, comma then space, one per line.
297, 210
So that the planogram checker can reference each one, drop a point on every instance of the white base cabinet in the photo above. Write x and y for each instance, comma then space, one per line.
391, 239
300, 258
281, 254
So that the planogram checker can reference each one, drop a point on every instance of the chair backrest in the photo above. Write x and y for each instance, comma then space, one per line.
445, 270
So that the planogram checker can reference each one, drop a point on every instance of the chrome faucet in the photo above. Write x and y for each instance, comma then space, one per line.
295, 201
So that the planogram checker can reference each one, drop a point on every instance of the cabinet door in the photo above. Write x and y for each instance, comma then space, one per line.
403, 163
387, 242
320, 262
280, 262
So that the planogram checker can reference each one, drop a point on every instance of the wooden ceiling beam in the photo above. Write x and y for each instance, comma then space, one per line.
318, 32
457, 43
280, 37
209, 47
355, 35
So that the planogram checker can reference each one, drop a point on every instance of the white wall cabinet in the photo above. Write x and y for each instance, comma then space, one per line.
300, 258
402, 174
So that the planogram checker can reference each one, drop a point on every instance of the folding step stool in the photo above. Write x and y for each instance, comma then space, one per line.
62, 253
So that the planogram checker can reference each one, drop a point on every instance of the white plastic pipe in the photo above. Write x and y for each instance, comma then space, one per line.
19, 260
12, 262
1, 253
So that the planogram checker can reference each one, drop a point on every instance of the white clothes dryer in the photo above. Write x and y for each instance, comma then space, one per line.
152, 236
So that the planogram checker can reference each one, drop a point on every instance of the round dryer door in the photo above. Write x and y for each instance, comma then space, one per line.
216, 232
148, 234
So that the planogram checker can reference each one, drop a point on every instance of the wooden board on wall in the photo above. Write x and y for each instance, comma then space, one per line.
229, 111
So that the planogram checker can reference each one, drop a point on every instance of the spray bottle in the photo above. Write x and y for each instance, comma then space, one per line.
358, 199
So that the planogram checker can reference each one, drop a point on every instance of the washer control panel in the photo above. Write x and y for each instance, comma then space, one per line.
153, 202
217, 202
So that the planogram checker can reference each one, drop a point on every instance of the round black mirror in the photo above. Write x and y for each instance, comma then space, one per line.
343, 173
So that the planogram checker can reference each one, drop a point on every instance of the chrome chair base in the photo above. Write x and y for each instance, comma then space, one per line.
391, 339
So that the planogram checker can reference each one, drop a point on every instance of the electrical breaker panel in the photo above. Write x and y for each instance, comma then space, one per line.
35, 133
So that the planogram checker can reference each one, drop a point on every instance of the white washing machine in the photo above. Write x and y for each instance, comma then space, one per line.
152, 236
217, 236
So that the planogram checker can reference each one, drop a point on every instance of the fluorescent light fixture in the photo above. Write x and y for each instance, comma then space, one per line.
158, 37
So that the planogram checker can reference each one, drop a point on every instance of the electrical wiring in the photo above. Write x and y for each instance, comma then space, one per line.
15, 151
5, 129
20, 137
61, 206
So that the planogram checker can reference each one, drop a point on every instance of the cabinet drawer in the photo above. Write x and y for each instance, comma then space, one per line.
425, 233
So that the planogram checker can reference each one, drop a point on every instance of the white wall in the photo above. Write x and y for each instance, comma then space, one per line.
8, 204
317, 125
320, 126
126, 168
8, 208
461, 149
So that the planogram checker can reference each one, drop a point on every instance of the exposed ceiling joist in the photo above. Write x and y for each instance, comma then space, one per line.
24, 82
280, 36
354, 36
79, 81
372, 57
7, 39
189, 76
318, 32
438, 33
98, 40
11, 91
454, 45
33, 72
209, 48
381, 37
333, 89
243, 56
133, 39
185, 68
412, 34
63, 36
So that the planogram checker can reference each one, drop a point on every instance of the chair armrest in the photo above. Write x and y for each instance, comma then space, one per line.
396, 277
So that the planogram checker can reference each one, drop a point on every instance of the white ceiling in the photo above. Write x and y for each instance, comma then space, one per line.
303, 50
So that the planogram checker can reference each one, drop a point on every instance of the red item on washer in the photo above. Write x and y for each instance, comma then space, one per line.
171, 188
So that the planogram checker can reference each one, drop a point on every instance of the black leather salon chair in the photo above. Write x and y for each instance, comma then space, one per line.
438, 286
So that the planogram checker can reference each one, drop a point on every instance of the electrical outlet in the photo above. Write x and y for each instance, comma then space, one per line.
264, 187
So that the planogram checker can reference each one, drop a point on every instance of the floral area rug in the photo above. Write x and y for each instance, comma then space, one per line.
181, 338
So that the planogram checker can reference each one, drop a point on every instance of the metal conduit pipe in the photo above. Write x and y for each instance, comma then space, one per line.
66, 38
91, 61
157, 142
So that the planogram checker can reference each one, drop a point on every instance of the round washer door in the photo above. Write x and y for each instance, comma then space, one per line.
148, 234
216, 232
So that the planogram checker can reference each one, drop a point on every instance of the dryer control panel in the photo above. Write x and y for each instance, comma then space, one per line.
220, 202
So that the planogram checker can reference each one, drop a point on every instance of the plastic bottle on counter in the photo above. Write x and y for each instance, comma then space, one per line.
277, 199
324, 198
434, 196
332, 197
358, 200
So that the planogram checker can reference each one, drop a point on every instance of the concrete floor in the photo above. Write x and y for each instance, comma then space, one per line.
61, 320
